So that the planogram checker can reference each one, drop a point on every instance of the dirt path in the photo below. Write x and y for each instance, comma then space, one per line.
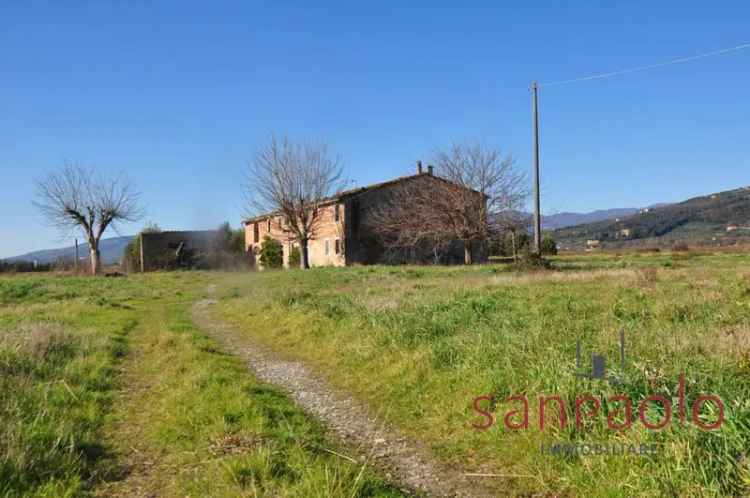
401, 460
137, 472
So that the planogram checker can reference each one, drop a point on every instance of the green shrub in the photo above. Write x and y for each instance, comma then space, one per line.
229, 240
531, 262
271, 253
511, 244
548, 246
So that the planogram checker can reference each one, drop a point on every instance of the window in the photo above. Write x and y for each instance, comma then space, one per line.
336, 212
327, 247
256, 236
337, 246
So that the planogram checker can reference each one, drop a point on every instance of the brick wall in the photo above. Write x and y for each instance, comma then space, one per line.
327, 233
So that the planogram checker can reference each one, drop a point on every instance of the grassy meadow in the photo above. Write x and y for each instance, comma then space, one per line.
418, 344
108, 389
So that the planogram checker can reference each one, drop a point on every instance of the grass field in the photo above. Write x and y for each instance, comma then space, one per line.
418, 344
108, 389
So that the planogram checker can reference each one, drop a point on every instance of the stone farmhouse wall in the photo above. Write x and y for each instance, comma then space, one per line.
363, 246
350, 238
327, 249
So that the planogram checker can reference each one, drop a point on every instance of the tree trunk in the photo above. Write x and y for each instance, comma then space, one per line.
305, 260
96, 263
513, 241
467, 252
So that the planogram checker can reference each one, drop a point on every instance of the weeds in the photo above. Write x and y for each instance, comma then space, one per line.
648, 276
425, 352
91, 368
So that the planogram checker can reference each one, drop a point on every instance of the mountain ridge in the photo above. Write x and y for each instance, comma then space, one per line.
699, 219
111, 250
566, 219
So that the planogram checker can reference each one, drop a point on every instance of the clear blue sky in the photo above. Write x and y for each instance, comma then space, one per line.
180, 95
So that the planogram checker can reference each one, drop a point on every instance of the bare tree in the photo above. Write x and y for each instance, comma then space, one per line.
473, 186
293, 180
511, 222
407, 223
75, 198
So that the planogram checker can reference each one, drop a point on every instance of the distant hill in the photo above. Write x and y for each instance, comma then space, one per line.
111, 252
562, 220
699, 219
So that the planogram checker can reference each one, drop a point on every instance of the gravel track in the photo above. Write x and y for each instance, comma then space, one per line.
402, 461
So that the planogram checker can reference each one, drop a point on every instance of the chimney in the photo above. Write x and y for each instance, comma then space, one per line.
429, 169
419, 167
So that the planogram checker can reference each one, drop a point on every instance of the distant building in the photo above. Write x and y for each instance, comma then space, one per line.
625, 233
592, 244
732, 227
345, 234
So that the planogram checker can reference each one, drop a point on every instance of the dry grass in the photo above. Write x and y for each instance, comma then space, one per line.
648, 276
616, 275
40, 340
730, 342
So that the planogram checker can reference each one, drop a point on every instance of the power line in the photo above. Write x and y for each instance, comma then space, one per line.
650, 66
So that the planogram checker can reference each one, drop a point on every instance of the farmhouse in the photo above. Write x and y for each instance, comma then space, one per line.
344, 232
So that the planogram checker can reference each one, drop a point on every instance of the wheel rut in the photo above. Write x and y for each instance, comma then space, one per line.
400, 459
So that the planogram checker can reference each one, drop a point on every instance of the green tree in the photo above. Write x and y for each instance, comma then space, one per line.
229, 240
516, 243
237, 243
223, 237
548, 246
271, 253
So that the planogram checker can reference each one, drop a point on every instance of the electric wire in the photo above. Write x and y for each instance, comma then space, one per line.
647, 67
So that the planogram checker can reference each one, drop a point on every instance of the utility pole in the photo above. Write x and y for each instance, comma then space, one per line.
76, 263
537, 214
